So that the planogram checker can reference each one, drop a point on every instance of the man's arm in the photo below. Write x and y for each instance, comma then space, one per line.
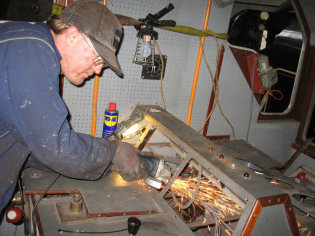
35, 110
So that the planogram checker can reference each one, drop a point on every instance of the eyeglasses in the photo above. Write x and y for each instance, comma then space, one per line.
98, 61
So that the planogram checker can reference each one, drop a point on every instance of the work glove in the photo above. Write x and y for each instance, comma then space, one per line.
126, 162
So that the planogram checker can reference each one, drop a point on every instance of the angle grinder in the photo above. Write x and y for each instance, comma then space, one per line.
158, 171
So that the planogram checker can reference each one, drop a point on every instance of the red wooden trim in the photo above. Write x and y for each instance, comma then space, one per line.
212, 96
253, 216
39, 192
291, 216
267, 202
309, 151
274, 200
37, 216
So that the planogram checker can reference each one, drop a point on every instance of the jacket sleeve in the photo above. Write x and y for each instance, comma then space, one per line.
35, 110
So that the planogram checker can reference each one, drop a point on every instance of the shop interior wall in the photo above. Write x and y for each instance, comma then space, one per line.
273, 138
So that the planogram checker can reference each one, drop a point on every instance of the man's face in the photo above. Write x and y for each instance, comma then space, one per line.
81, 60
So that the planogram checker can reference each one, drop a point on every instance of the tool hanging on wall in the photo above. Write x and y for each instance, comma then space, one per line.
145, 50
125, 20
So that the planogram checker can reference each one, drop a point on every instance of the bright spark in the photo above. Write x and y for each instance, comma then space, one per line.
228, 232
208, 193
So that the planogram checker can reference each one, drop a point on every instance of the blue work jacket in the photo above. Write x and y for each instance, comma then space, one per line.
33, 117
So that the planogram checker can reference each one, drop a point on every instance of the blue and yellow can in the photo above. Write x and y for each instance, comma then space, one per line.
110, 120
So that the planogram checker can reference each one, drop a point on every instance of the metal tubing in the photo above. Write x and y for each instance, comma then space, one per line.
95, 95
178, 171
94, 105
193, 89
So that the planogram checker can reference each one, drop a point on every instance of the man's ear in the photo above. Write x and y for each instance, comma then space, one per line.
72, 36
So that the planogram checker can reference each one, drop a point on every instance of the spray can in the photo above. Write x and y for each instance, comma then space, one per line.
110, 120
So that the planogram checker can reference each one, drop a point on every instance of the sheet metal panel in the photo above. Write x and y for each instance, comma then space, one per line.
108, 195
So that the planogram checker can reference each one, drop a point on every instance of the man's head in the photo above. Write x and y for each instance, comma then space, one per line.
87, 35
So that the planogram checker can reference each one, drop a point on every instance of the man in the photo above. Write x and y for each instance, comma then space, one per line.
33, 116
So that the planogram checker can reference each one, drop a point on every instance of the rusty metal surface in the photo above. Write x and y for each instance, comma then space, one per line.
109, 201
228, 169
256, 159
236, 168
243, 171
108, 194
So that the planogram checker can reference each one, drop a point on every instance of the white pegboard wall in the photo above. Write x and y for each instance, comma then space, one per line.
132, 89
181, 51
218, 22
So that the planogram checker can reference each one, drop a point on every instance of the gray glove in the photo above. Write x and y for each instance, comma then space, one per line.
126, 162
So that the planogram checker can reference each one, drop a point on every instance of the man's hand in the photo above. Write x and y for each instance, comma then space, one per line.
126, 162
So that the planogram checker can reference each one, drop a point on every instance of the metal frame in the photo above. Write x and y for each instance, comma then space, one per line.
101, 212
225, 165
242, 172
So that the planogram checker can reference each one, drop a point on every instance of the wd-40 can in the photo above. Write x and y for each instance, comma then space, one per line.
110, 120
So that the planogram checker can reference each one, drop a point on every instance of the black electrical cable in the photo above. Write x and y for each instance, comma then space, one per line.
40, 198
62, 230
22, 202
91, 232
193, 196
87, 232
